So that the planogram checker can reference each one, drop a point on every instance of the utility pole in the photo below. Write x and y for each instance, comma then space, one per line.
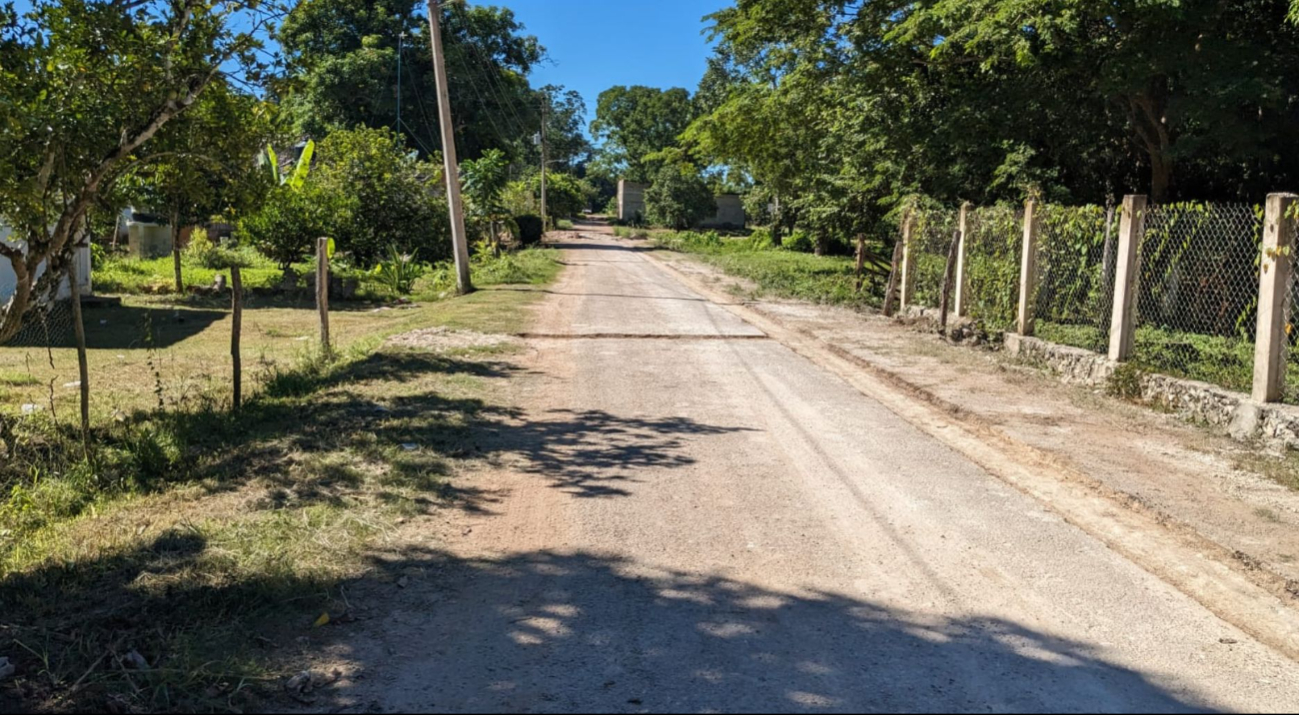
401, 42
545, 100
459, 242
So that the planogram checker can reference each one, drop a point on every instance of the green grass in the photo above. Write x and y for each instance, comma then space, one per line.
777, 272
202, 539
156, 276
564, 225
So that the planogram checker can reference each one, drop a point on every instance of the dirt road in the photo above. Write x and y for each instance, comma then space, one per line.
695, 518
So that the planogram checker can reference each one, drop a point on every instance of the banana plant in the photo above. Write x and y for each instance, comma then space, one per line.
298, 178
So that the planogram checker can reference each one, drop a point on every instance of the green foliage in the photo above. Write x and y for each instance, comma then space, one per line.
636, 122
799, 242
343, 55
992, 259
533, 266
398, 272
290, 221
566, 195
679, 197
564, 225
89, 89
1126, 382
378, 196
530, 229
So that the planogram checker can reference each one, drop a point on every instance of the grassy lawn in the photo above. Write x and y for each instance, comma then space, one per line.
776, 272
176, 569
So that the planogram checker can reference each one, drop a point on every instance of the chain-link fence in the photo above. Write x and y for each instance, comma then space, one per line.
931, 239
1077, 249
1197, 306
1290, 343
993, 238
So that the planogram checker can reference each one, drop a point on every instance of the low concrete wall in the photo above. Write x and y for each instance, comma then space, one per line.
1234, 412
730, 213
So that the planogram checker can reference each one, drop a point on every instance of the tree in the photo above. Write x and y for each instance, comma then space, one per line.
484, 182
679, 197
87, 85
380, 195
201, 163
342, 58
635, 122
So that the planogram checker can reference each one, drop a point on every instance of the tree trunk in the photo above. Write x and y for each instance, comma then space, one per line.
175, 252
861, 259
237, 307
775, 222
1161, 177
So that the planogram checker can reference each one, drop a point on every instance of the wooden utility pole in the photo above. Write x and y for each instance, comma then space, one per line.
542, 140
459, 241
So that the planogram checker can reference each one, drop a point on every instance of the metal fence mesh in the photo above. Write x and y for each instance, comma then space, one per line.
931, 239
1291, 343
1073, 300
994, 235
1198, 302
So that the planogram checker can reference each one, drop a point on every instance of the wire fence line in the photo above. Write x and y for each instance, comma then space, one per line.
1198, 278
931, 239
1077, 252
994, 235
1197, 307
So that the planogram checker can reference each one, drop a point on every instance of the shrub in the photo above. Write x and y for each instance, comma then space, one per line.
200, 245
679, 197
800, 242
564, 225
398, 272
530, 229
286, 227
381, 197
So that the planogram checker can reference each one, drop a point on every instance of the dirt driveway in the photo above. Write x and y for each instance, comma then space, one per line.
691, 516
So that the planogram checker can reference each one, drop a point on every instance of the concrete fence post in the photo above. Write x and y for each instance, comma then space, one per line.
1028, 270
963, 290
1127, 272
908, 290
1276, 269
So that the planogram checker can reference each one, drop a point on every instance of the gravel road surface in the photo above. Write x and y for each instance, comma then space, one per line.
692, 517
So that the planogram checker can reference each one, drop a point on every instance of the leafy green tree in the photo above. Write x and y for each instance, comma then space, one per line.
679, 197
342, 59
285, 228
87, 84
380, 195
636, 122
484, 181
201, 164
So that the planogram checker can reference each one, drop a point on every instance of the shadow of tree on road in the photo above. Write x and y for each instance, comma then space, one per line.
562, 632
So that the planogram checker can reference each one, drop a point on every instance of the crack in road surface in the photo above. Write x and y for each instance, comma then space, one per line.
714, 522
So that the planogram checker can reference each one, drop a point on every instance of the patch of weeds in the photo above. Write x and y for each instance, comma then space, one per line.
1126, 382
1267, 515
1282, 469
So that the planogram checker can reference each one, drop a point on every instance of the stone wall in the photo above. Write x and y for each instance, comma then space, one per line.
1208, 404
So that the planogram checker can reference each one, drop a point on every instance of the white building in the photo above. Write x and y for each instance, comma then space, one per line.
9, 282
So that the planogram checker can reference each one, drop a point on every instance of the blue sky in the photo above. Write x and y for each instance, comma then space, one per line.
596, 44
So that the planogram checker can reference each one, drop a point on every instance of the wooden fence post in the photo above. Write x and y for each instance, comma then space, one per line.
1028, 271
237, 320
1275, 272
1127, 272
948, 274
891, 292
908, 273
861, 259
962, 289
79, 331
322, 293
